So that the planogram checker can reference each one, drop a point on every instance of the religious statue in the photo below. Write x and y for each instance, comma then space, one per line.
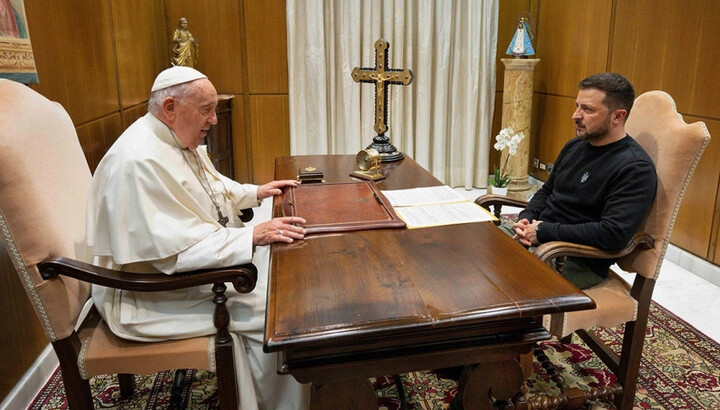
185, 46
520, 44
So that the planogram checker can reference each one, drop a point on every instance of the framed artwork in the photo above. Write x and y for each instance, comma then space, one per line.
16, 57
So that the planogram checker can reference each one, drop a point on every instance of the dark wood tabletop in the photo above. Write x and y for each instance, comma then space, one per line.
335, 298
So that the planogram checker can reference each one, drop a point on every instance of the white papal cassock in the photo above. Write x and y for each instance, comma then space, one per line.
147, 212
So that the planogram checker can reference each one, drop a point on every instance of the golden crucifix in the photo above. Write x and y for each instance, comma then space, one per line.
382, 76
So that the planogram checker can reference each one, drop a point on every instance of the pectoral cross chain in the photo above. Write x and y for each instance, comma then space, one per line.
222, 219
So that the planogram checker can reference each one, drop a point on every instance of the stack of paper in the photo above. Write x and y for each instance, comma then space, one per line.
435, 206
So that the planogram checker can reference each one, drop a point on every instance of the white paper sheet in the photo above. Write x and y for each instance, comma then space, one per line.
442, 194
435, 206
442, 214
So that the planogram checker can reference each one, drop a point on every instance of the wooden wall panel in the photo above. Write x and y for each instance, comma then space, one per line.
699, 200
266, 46
706, 90
553, 125
227, 31
21, 333
97, 136
130, 115
678, 58
242, 145
141, 47
216, 26
73, 48
572, 43
270, 134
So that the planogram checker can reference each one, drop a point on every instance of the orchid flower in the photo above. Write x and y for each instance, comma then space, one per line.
507, 138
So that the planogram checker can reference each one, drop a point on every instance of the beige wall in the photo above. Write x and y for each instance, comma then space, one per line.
669, 45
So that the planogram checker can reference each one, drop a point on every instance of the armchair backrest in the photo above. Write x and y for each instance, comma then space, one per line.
44, 180
675, 147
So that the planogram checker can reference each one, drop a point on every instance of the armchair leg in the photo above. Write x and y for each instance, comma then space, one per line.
225, 373
76, 388
401, 391
127, 384
633, 341
630, 362
224, 357
177, 388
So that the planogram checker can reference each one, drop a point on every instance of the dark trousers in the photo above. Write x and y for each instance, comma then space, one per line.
575, 270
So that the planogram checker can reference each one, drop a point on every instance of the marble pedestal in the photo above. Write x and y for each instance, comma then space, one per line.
517, 113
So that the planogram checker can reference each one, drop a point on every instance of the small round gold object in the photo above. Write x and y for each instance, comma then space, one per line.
368, 159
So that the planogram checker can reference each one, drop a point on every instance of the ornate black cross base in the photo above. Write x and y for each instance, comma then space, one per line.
388, 152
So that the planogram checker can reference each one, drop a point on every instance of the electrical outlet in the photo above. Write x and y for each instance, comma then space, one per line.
542, 165
536, 163
549, 168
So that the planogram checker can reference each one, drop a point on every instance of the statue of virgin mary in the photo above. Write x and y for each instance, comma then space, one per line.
520, 44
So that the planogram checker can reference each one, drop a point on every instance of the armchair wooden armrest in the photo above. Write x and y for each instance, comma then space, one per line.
559, 250
243, 277
497, 202
556, 249
551, 250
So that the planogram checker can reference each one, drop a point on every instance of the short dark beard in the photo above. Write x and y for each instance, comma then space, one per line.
599, 134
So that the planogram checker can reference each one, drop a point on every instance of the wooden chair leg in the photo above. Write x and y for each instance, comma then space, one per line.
77, 389
224, 357
177, 389
633, 340
629, 365
629, 369
127, 384
401, 391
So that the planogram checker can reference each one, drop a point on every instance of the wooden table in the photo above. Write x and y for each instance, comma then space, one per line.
345, 307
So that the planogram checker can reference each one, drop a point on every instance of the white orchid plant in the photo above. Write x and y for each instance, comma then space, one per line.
507, 138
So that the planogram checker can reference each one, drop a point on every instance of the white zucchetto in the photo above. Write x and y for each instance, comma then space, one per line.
176, 75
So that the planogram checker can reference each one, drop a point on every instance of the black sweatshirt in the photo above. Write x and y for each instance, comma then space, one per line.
597, 196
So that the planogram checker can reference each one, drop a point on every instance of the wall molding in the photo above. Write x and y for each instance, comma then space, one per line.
22, 395
693, 263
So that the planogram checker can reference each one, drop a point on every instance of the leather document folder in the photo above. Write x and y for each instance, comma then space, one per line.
340, 207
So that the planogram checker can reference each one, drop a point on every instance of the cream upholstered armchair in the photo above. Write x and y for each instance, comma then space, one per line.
675, 147
44, 180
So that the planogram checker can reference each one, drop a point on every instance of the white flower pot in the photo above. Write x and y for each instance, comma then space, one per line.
497, 191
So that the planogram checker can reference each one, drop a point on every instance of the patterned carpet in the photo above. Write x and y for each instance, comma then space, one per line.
680, 370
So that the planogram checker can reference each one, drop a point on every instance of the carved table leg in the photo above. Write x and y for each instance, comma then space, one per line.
354, 394
490, 383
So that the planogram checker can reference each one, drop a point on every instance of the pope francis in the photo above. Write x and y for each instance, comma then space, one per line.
157, 204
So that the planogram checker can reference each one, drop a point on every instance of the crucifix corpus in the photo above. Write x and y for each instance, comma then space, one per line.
382, 76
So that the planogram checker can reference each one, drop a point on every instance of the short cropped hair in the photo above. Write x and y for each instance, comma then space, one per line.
619, 93
178, 92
